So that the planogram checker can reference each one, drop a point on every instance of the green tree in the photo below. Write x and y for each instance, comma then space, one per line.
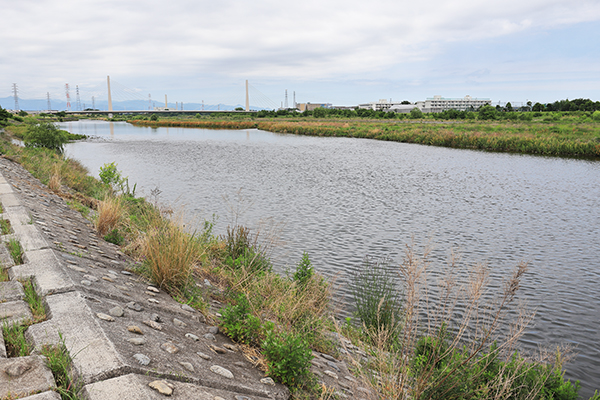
416, 113
319, 112
45, 134
508, 107
538, 107
487, 112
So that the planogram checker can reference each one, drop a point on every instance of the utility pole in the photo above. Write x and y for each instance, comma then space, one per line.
247, 98
286, 101
68, 97
48, 98
16, 96
109, 96
78, 100
93, 103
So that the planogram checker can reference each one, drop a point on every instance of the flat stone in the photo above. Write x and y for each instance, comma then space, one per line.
330, 373
137, 341
126, 272
204, 356
217, 349
187, 308
179, 323
210, 336
153, 301
192, 336
242, 398
328, 357
333, 365
14, 312
105, 317
155, 317
47, 269
18, 367
90, 278
230, 346
187, 366
142, 359
213, 329
85, 282
163, 387
116, 311
135, 329
221, 371
268, 381
153, 325
152, 289
169, 347
240, 364
109, 279
135, 306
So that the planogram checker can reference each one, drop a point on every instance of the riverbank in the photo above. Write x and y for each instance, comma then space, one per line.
254, 310
564, 139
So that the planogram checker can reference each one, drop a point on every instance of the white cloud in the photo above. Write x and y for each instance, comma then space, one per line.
45, 41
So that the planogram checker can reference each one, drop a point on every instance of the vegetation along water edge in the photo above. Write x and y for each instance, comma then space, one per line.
402, 347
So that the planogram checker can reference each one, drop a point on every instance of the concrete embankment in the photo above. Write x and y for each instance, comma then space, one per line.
127, 339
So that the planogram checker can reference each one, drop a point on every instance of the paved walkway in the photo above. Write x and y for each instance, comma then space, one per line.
128, 339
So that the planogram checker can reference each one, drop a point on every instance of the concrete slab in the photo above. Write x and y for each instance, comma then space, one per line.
30, 237
2, 346
94, 356
22, 376
9, 200
47, 270
135, 387
5, 188
17, 215
15, 312
11, 291
43, 396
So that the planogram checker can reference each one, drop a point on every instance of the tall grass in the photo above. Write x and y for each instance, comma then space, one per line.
111, 213
457, 340
170, 254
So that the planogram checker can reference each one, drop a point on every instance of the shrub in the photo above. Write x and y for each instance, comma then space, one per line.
288, 358
596, 115
244, 252
240, 324
304, 271
45, 134
416, 113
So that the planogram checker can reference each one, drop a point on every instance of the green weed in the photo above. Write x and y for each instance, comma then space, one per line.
14, 339
36, 304
15, 250
5, 226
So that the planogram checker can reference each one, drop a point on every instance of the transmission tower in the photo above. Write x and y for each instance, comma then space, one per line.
93, 103
48, 98
149, 102
68, 97
295, 99
16, 96
286, 102
77, 98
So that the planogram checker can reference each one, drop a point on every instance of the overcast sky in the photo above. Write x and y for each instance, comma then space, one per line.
340, 52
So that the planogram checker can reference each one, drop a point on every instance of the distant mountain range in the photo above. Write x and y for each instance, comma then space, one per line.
136, 105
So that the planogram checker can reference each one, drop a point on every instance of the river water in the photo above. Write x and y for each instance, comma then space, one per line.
341, 199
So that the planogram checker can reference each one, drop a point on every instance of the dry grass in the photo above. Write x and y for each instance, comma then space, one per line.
110, 214
55, 181
465, 322
170, 254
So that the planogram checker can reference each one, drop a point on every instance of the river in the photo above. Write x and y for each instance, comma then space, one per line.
341, 199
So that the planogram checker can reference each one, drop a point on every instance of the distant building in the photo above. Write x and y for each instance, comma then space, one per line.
381, 105
402, 108
439, 104
312, 106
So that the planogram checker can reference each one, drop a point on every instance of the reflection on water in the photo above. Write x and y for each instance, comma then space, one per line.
341, 199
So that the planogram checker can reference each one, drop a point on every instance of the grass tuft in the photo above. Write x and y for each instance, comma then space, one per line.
15, 250
110, 214
14, 340
59, 362
36, 304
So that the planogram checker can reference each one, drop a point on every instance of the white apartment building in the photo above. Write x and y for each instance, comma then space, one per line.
439, 104
381, 105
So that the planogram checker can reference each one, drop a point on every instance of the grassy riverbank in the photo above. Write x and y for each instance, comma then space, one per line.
394, 352
564, 136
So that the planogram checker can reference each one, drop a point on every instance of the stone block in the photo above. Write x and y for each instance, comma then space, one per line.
94, 356
15, 312
24, 375
47, 270
43, 396
5, 188
30, 237
11, 291
9, 200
